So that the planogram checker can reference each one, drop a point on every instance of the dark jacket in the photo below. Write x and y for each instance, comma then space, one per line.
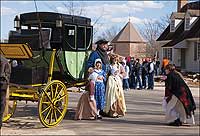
138, 68
5, 71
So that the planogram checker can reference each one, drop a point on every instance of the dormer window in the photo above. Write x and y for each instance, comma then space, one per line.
175, 20
172, 25
187, 21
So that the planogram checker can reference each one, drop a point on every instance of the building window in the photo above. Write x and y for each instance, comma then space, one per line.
167, 52
172, 25
187, 23
196, 51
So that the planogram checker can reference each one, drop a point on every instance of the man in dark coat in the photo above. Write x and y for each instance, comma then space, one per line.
5, 71
100, 53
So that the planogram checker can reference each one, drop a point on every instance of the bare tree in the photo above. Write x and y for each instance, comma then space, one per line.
74, 8
151, 31
110, 33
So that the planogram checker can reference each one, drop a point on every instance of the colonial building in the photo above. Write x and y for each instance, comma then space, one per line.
128, 42
180, 41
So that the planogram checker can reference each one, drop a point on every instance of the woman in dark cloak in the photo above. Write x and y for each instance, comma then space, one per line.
180, 104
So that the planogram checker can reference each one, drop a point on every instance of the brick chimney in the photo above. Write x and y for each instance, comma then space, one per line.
181, 3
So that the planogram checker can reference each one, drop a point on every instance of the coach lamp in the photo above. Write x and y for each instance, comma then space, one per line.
59, 22
17, 23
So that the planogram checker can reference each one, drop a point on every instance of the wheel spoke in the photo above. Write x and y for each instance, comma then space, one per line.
56, 90
52, 92
59, 93
46, 109
46, 103
48, 96
47, 114
51, 116
61, 97
56, 118
59, 111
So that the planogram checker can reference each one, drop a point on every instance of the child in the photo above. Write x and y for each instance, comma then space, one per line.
98, 76
86, 107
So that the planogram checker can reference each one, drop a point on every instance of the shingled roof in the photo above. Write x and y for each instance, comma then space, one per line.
180, 34
192, 5
128, 34
194, 32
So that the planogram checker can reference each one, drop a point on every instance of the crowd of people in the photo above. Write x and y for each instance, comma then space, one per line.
140, 73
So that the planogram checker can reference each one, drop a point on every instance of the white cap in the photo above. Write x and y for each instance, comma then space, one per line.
97, 60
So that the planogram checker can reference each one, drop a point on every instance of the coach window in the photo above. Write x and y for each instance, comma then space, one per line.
81, 36
70, 37
88, 37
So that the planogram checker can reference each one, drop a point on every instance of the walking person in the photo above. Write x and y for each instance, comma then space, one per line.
132, 74
144, 73
5, 72
151, 75
126, 77
138, 73
157, 68
180, 104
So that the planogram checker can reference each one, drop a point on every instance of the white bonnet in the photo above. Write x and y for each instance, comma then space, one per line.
97, 60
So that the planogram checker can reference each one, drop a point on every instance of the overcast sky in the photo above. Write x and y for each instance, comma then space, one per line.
114, 13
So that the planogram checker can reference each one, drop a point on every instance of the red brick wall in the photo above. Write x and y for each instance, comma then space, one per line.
122, 49
137, 50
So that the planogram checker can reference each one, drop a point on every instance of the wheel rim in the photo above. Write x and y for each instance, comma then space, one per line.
11, 109
53, 103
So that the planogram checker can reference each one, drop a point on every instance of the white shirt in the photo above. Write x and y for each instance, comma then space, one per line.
151, 67
127, 72
94, 76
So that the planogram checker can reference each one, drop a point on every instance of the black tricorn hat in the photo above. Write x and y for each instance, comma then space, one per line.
101, 41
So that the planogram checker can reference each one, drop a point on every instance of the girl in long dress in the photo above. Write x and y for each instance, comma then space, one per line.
180, 104
99, 76
115, 101
86, 107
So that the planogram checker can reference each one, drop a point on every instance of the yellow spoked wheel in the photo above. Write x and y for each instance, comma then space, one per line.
53, 103
9, 110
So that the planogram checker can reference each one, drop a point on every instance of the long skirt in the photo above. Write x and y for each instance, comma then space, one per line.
86, 109
100, 95
175, 110
115, 101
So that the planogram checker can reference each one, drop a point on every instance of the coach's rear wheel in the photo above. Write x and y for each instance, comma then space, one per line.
53, 103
